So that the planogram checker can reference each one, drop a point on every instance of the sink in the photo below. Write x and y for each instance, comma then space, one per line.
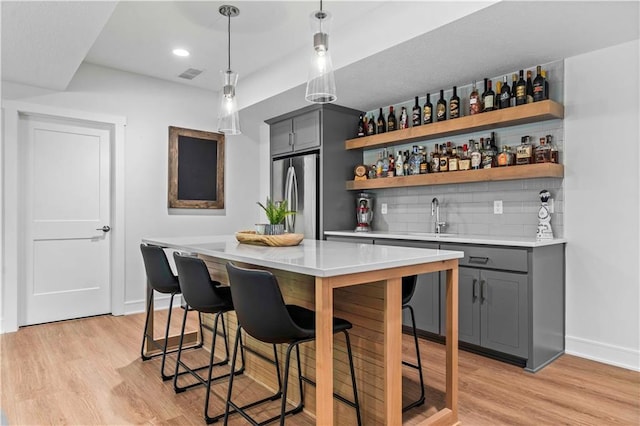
431, 234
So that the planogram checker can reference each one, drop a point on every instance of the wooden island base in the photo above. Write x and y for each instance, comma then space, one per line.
364, 306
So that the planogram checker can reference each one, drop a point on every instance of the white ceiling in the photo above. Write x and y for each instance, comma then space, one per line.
383, 51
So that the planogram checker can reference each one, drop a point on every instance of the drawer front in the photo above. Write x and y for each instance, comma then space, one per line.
405, 243
509, 259
355, 240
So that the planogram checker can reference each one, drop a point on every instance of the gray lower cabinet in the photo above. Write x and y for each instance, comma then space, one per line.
492, 309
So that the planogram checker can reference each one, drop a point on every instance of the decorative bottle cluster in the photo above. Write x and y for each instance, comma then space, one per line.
520, 92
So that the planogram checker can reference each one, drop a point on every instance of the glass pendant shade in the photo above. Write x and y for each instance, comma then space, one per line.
228, 119
321, 83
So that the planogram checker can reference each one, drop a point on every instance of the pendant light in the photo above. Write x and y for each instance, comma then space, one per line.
321, 84
228, 120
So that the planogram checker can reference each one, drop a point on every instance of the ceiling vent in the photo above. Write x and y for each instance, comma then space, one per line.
190, 74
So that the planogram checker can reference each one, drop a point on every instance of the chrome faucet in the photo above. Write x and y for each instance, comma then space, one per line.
435, 212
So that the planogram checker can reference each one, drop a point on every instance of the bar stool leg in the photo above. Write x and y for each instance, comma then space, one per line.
421, 399
356, 401
166, 377
146, 328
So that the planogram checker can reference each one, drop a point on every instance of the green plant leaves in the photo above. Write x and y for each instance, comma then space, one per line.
276, 212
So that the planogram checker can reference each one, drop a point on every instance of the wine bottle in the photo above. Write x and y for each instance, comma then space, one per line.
489, 98
416, 113
546, 84
496, 97
454, 104
538, 85
521, 90
392, 123
404, 119
427, 111
382, 125
529, 88
505, 94
371, 126
513, 89
484, 90
441, 108
475, 106
361, 129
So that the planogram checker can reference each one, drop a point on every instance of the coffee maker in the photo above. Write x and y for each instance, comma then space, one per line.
364, 212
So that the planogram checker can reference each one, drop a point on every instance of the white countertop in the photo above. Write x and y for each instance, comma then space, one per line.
451, 238
311, 257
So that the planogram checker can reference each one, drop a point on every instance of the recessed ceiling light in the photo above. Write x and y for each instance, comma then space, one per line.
180, 52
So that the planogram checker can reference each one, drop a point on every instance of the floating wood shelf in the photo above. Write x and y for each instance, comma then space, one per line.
523, 114
500, 173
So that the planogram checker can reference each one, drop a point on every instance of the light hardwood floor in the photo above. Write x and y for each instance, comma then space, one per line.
89, 371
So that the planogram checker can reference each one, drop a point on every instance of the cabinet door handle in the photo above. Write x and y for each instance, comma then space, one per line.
478, 260
290, 139
483, 287
475, 290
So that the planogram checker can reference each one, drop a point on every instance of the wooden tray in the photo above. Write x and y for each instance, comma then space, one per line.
284, 240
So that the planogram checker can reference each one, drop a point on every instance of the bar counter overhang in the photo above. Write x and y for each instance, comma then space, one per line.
361, 283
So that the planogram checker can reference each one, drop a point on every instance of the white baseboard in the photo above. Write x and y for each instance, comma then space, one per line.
159, 302
603, 352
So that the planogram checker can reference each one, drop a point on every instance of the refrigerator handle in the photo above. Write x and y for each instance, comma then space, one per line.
291, 195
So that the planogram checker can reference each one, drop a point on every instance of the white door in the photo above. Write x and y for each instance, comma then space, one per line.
67, 197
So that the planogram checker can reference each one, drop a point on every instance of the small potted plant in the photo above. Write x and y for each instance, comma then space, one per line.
276, 213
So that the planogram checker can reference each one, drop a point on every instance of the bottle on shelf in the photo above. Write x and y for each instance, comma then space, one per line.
392, 166
554, 150
505, 94
399, 164
441, 108
542, 152
416, 114
454, 104
406, 163
444, 159
385, 163
361, 129
424, 166
435, 159
404, 119
382, 124
503, 157
490, 153
529, 88
484, 90
475, 106
524, 152
464, 163
454, 160
546, 84
538, 86
496, 96
371, 126
521, 90
488, 98
475, 155
427, 111
414, 161
392, 123
379, 165
514, 84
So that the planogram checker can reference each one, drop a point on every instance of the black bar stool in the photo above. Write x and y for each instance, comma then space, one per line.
408, 288
203, 295
160, 278
263, 315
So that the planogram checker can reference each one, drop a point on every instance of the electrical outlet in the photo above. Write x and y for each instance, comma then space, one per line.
383, 208
497, 207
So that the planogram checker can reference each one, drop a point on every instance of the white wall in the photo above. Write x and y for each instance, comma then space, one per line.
150, 106
602, 197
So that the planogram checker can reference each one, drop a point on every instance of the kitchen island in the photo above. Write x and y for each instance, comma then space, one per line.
367, 284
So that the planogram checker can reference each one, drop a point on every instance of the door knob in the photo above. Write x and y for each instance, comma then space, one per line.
105, 228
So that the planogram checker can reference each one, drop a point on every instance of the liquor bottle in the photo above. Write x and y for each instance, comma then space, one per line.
379, 165
475, 106
521, 90
546, 84
529, 88
489, 98
538, 86
444, 159
514, 83
454, 104
524, 152
435, 159
361, 128
424, 166
392, 123
464, 163
416, 114
490, 153
392, 166
399, 164
406, 163
496, 97
453, 160
503, 157
554, 150
371, 126
476, 156
416, 159
427, 111
484, 90
382, 125
505, 94
404, 119
385, 163
542, 152
441, 108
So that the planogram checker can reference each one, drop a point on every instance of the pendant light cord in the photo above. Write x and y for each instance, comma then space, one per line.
229, 41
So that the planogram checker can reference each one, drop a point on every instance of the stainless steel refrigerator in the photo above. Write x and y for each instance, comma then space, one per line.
295, 179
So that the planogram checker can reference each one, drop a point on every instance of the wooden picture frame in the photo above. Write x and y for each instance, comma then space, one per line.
196, 169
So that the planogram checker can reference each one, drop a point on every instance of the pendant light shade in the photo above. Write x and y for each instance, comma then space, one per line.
321, 83
228, 119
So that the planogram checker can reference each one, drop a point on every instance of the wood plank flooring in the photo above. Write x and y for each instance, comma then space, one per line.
89, 372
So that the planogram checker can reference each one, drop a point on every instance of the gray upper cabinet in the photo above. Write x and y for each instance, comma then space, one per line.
296, 134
